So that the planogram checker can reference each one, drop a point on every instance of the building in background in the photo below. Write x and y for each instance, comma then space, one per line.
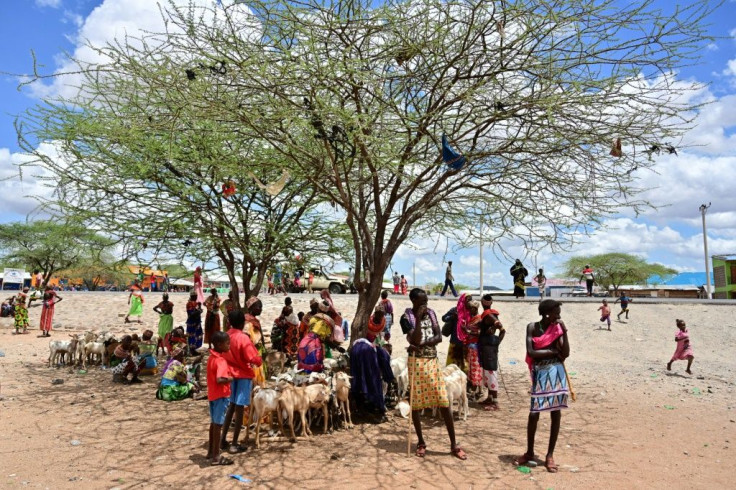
724, 276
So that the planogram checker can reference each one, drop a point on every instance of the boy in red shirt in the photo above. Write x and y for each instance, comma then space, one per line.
240, 358
218, 394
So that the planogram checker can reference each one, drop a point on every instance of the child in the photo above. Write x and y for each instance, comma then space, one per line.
194, 323
148, 349
684, 349
218, 394
241, 357
388, 309
625, 300
606, 313
488, 343
165, 322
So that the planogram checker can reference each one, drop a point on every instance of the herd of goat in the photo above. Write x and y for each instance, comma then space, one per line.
289, 392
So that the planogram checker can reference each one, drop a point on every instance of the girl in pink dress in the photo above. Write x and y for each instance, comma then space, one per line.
198, 286
684, 350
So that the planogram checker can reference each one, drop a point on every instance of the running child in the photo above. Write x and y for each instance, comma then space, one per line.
684, 350
625, 300
218, 394
606, 313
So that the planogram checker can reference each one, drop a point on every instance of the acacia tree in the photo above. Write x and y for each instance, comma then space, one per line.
50, 246
615, 269
355, 98
149, 162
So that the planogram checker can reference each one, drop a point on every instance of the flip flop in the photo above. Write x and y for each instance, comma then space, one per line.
421, 450
458, 452
523, 459
223, 461
491, 408
549, 463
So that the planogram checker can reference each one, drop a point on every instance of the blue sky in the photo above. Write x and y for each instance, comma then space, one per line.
705, 172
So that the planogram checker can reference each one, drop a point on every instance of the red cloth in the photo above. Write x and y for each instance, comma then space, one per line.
241, 355
552, 333
217, 367
463, 318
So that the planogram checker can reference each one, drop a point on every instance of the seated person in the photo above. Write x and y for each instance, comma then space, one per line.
147, 357
179, 381
8, 307
123, 363
175, 339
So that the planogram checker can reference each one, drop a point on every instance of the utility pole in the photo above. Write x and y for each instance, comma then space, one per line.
414, 274
703, 210
481, 260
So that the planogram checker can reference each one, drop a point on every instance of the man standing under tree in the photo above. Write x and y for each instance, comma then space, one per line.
589, 279
448, 280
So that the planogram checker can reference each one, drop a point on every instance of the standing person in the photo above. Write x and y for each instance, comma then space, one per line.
547, 348
404, 285
388, 309
625, 300
241, 357
312, 348
165, 310
37, 280
194, 323
397, 282
255, 332
212, 318
684, 349
226, 307
154, 284
427, 386
165, 283
50, 298
21, 311
471, 329
370, 366
135, 300
310, 281
519, 273
488, 343
198, 285
605, 313
589, 279
219, 380
541, 280
449, 280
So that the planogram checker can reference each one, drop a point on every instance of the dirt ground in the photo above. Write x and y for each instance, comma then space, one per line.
635, 425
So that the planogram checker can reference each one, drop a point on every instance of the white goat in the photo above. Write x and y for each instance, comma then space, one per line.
401, 374
341, 387
265, 400
319, 397
456, 384
96, 349
60, 347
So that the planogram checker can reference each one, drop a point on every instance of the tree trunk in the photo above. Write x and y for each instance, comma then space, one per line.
367, 299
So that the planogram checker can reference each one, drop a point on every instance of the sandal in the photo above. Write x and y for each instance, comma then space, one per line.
237, 448
421, 450
492, 407
550, 464
523, 459
223, 461
458, 452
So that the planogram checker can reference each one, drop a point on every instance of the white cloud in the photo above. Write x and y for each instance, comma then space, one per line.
21, 188
49, 3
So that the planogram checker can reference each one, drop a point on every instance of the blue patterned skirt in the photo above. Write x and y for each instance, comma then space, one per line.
549, 387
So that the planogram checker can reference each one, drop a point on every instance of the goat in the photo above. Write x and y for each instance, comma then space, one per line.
319, 397
401, 375
341, 387
265, 400
60, 347
274, 360
93, 349
456, 384
294, 399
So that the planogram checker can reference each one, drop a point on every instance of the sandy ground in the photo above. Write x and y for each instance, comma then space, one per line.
635, 425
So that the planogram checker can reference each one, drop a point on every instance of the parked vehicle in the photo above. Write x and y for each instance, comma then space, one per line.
322, 280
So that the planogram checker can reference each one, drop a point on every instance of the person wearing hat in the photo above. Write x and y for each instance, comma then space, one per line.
370, 365
311, 351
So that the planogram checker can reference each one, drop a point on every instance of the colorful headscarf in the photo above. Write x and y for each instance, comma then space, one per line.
463, 317
251, 301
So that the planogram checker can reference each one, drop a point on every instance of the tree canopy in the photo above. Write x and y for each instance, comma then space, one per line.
616, 269
352, 98
50, 246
